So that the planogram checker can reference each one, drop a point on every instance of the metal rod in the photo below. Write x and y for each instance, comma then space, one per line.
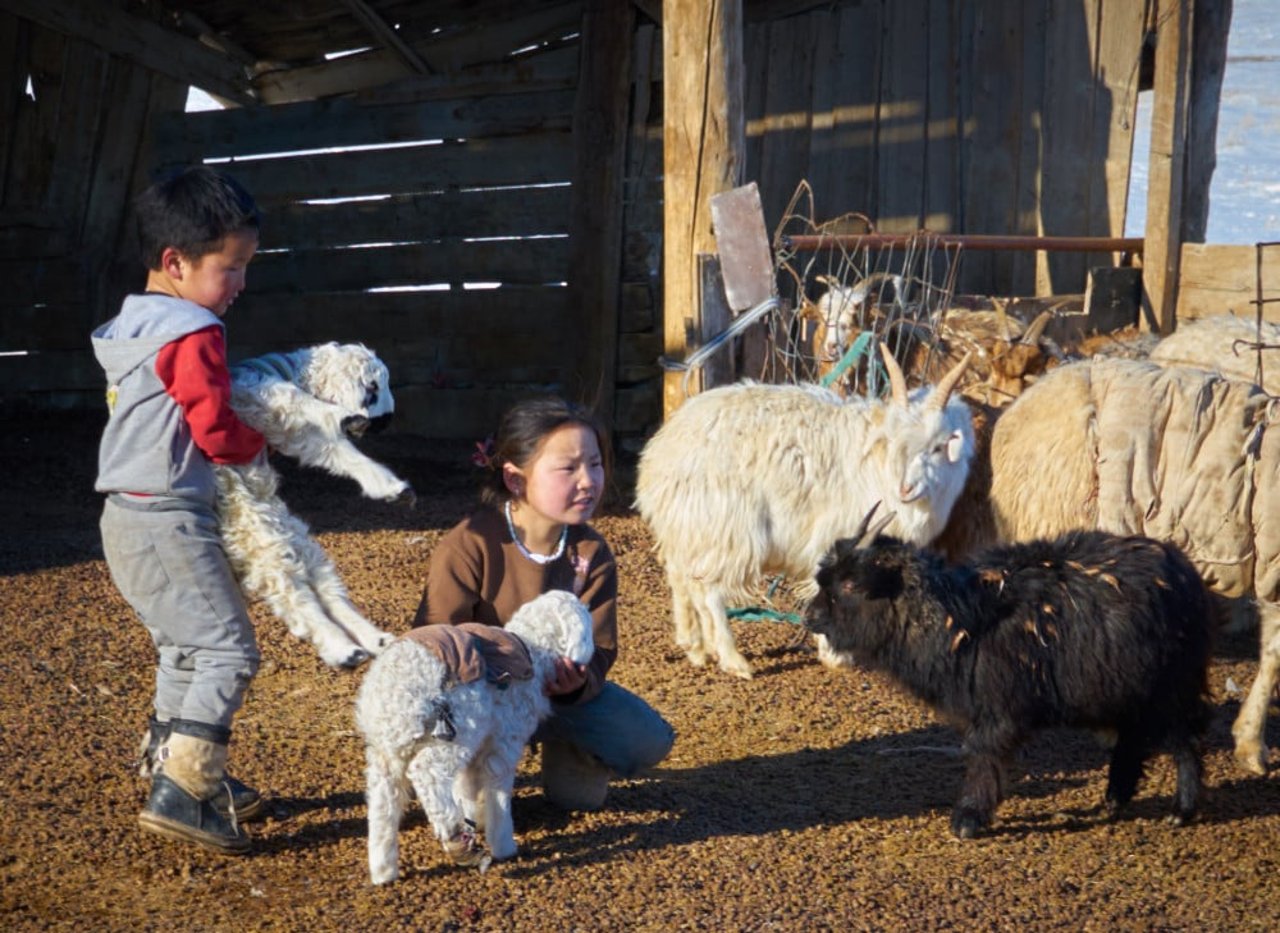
974, 241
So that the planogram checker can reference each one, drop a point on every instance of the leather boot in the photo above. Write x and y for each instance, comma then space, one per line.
573, 779
181, 805
248, 803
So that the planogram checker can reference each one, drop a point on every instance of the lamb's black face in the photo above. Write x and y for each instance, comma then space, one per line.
851, 582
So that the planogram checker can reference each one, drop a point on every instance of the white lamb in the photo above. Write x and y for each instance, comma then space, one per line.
748, 481
458, 741
306, 403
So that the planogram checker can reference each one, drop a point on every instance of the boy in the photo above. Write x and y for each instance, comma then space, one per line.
170, 420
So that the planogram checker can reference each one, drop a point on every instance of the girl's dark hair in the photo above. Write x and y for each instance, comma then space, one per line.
520, 435
192, 210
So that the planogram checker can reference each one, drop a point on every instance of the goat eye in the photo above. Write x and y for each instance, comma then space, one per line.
371, 395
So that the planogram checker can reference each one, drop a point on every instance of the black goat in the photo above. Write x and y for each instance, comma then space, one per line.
1091, 630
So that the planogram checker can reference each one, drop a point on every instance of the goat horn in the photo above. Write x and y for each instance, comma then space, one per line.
866, 520
897, 382
947, 383
865, 539
1031, 337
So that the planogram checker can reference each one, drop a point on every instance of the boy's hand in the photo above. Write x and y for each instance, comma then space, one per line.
566, 678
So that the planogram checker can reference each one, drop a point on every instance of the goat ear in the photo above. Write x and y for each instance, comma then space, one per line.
955, 446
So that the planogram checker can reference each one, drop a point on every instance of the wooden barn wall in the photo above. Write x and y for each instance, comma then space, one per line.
73, 121
959, 116
399, 247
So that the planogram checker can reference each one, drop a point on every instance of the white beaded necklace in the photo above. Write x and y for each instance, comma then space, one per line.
536, 558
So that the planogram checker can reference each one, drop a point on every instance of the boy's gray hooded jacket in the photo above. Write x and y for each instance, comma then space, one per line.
147, 446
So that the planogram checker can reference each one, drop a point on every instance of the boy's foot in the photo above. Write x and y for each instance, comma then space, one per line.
248, 802
176, 814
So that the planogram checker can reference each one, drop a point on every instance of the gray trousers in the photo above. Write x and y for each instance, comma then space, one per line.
167, 560
618, 727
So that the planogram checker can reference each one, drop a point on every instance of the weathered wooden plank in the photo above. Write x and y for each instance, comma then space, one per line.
1208, 66
1119, 48
638, 357
56, 280
542, 71
600, 142
44, 327
469, 414
81, 109
785, 126
702, 153
1218, 279
1073, 158
458, 214
1017, 272
452, 53
846, 88
942, 121
103, 235
900, 155
33, 235
991, 53
514, 262
13, 84
35, 127
321, 124
137, 39
1166, 178
52, 371
476, 163
383, 318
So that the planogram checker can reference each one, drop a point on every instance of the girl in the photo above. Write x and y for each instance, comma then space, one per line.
542, 484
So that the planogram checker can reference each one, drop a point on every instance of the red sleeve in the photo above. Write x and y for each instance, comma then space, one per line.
194, 372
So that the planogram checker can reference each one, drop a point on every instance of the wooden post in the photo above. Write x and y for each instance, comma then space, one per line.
600, 122
1170, 117
702, 154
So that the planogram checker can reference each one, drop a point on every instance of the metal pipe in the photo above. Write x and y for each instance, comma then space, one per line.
974, 241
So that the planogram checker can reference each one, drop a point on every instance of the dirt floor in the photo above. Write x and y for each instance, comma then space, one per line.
806, 798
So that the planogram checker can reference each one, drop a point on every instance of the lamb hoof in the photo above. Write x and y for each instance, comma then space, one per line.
351, 660
406, 497
355, 425
1179, 819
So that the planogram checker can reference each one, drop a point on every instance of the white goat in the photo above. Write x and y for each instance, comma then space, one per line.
1224, 344
842, 311
1176, 454
748, 481
456, 740
305, 403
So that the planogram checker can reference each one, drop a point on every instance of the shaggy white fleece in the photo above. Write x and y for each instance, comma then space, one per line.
408, 706
306, 403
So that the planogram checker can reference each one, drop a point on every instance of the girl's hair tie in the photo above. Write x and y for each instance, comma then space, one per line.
483, 455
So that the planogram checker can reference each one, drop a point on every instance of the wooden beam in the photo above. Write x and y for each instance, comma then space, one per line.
1208, 65
387, 36
142, 41
596, 203
1166, 186
703, 149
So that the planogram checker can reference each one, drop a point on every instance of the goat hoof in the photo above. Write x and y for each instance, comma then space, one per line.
355, 425
1252, 760
406, 497
966, 824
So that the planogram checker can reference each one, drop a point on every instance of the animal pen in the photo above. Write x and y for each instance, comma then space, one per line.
502, 198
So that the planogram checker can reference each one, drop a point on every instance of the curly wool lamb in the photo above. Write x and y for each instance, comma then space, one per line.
449, 709
306, 403
1090, 630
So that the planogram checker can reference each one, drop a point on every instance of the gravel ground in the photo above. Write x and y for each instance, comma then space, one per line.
806, 798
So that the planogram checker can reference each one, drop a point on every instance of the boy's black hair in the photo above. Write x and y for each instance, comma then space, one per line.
192, 210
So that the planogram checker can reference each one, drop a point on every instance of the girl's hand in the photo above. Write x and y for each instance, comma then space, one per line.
566, 678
